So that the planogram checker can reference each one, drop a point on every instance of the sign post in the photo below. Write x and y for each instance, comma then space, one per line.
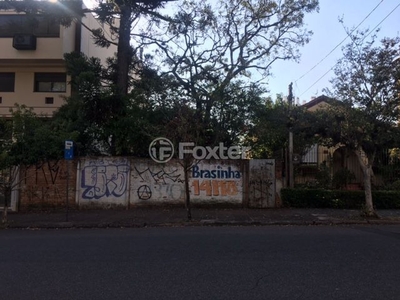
68, 155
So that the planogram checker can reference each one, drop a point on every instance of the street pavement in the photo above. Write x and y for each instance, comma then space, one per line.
176, 216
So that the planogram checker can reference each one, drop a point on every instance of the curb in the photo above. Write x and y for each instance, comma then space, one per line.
210, 223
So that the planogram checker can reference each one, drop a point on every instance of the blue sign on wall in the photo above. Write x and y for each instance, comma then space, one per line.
69, 150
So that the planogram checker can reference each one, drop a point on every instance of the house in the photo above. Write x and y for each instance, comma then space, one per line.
32, 68
340, 163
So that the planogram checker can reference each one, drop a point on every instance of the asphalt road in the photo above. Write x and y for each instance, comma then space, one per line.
304, 262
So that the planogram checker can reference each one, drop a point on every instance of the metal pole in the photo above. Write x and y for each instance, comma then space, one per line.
67, 202
291, 175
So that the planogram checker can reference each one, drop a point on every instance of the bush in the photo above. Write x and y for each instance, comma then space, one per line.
386, 199
342, 177
394, 186
319, 198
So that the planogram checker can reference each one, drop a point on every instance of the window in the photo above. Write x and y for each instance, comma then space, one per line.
50, 82
1, 100
311, 156
7, 82
24, 24
49, 100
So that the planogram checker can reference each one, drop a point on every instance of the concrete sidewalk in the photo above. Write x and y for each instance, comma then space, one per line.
151, 217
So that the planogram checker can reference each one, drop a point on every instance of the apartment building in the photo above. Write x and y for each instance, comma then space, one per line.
32, 68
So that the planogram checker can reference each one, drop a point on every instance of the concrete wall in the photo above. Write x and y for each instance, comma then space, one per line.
129, 182
262, 183
154, 184
210, 182
220, 181
103, 181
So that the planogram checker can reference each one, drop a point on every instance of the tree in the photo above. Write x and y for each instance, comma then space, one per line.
212, 45
128, 13
93, 109
183, 128
270, 132
120, 16
367, 82
26, 140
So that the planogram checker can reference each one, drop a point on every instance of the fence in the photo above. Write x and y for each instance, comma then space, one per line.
340, 168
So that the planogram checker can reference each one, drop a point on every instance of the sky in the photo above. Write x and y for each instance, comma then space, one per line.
312, 74
309, 76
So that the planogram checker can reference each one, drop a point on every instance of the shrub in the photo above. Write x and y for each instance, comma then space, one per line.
319, 198
342, 177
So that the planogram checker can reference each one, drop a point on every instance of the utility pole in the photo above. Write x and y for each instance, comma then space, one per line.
290, 101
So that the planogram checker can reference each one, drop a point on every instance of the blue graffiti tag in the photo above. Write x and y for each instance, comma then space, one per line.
104, 181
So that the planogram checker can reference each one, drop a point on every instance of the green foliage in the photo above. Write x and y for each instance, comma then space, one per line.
220, 43
388, 168
342, 177
26, 139
103, 119
321, 198
395, 186
271, 129
218, 46
29, 138
323, 177
367, 82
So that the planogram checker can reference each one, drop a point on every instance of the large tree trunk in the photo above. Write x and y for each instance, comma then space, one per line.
124, 49
366, 167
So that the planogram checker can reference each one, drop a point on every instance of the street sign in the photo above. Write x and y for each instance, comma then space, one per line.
69, 150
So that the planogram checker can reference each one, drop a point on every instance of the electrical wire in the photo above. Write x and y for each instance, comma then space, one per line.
382, 20
350, 33
339, 43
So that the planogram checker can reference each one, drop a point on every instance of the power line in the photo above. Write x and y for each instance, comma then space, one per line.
382, 20
339, 43
350, 33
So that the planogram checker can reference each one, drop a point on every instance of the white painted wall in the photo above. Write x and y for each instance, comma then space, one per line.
103, 181
262, 180
218, 181
141, 182
87, 42
154, 183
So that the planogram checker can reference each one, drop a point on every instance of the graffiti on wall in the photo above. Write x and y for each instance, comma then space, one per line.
50, 172
215, 187
44, 181
104, 178
262, 183
217, 181
166, 183
159, 183
160, 175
